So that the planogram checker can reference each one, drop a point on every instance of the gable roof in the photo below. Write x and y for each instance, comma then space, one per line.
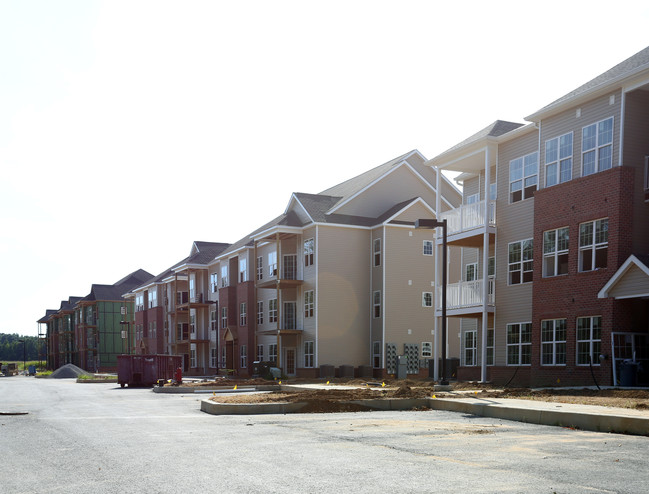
48, 314
494, 129
603, 82
640, 261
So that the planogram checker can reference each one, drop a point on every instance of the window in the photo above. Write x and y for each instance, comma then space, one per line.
473, 199
427, 349
224, 317
428, 247
243, 354
308, 354
493, 191
523, 177
224, 358
192, 361
272, 353
260, 268
309, 303
243, 314
471, 271
260, 353
243, 270
519, 343
214, 282
272, 263
139, 304
377, 304
490, 346
427, 299
555, 252
377, 252
553, 342
214, 322
224, 276
470, 348
593, 245
192, 287
192, 324
491, 266
272, 310
308, 252
558, 160
589, 334
521, 262
153, 298
597, 147
214, 357
260, 312
376, 354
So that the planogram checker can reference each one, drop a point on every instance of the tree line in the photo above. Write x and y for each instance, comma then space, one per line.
11, 347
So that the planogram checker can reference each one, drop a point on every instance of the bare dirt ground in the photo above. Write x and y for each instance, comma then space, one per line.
332, 398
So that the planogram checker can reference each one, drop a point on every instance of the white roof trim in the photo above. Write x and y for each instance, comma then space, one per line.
230, 254
294, 198
278, 229
632, 260
419, 200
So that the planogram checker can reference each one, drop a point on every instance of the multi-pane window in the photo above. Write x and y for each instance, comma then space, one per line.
427, 299
558, 160
553, 342
490, 346
243, 356
309, 248
593, 244
272, 353
192, 324
589, 340
521, 256
224, 317
243, 270
153, 298
523, 177
377, 304
493, 191
471, 271
214, 282
308, 354
309, 303
139, 303
377, 252
428, 247
224, 276
272, 263
376, 354
470, 348
192, 361
214, 357
473, 199
519, 343
260, 268
243, 314
426, 349
260, 353
224, 358
272, 310
597, 147
192, 287
555, 252
260, 312
214, 323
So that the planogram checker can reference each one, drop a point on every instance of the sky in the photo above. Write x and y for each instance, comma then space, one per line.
130, 129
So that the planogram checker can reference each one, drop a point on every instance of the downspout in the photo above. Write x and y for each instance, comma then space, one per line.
485, 271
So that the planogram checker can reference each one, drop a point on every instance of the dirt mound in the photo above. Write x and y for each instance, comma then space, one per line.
68, 371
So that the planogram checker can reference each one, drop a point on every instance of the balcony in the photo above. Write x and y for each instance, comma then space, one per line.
463, 221
290, 275
466, 297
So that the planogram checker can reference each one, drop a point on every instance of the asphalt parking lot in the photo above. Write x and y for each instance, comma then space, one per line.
100, 438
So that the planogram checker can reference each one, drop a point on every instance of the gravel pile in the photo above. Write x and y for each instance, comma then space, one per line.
68, 371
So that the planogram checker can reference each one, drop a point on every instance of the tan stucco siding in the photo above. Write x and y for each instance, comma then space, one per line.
343, 296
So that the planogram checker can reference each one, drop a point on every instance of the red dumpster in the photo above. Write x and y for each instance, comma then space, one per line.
145, 370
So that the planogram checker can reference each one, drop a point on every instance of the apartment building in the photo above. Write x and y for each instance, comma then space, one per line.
340, 280
173, 311
554, 218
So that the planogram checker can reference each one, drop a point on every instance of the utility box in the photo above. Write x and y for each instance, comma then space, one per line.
402, 366
146, 370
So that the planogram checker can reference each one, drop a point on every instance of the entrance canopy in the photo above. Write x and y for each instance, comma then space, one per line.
631, 280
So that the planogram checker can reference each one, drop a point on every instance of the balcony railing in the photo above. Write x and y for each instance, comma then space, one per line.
466, 294
470, 216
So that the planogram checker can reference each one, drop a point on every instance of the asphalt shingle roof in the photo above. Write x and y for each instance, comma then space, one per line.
495, 129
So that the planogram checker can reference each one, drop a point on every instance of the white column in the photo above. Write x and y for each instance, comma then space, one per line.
485, 271
438, 205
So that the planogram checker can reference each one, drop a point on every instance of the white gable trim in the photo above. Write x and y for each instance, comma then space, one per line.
295, 199
619, 274
419, 200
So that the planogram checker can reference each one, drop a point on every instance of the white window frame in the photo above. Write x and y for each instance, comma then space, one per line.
555, 252
214, 282
491, 346
224, 317
552, 343
524, 266
192, 358
309, 303
596, 244
428, 248
309, 252
597, 148
272, 263
561, 162
521, 346
260, 353
192, 323
260, 267
243, 270
243, 357
472, 199
243, 314
376, 303
153, 298
594, 344
470, 348
520, 177
471, 271
309, 354
272, 353
192, 287
376, 253
427, 299
224, 276
376, 354
260, 312
426, 349
214, 357
214, 320
272, 310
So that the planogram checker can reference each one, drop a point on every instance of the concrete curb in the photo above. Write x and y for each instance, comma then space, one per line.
624, 424
219, 389
214, 408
